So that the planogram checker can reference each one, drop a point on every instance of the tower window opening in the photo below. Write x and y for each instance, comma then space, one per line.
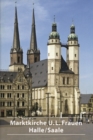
75, 55
35, 59
67, 80
56, 54
52, 68
52, 40
56, 40
18, 59
63, 80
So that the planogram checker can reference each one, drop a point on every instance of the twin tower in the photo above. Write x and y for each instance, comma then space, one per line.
16, 53
54, 48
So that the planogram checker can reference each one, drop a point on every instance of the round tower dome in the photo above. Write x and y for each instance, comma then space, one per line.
54, 34
72, 35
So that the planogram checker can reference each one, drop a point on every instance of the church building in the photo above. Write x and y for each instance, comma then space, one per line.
52, 82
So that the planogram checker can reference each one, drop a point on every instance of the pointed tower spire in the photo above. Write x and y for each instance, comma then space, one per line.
16, 40
16, 53
33, 54
33, 41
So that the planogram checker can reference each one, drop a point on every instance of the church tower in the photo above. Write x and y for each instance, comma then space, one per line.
73, 54
33, 54
54, 55
54, 66
73, 64
16, 53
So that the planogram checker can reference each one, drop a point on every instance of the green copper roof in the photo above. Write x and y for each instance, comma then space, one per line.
54, 35
72, 36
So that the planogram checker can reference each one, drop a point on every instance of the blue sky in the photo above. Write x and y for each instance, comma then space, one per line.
64, 10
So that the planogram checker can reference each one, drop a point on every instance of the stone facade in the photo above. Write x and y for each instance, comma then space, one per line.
15, 95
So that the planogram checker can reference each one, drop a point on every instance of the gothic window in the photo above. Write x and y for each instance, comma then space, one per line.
63, 80
52, 68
